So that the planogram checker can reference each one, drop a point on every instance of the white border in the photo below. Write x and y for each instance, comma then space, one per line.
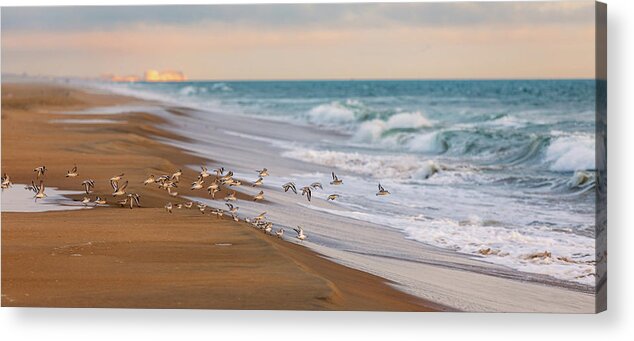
615, 324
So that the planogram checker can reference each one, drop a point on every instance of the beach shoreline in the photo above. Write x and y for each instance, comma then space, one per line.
116, 257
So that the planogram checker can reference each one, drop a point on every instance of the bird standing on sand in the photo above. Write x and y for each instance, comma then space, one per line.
72, 173
149, 180
300, 233
168, 207
99, 201
6, 181
259, 196
188, 204
88, 184
201, 207
279, 233
40, 171
118, 190
306, 190
169, 191
382, 191
177, 175
335, 180
333, 197
291, 186
260, 216
85, 201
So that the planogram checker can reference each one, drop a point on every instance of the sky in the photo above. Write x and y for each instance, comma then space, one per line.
459, 40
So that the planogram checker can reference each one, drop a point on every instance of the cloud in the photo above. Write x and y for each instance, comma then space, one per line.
272, 16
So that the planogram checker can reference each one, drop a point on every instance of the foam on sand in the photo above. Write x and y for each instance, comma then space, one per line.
18, 199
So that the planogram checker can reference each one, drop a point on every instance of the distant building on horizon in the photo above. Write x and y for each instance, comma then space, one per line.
163, 76
149, 76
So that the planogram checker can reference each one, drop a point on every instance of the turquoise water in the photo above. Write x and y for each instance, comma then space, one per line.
506, 165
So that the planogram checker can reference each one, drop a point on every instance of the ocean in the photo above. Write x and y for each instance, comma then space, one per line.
493, 171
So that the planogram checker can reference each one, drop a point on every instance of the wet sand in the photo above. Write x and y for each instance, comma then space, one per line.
145, 257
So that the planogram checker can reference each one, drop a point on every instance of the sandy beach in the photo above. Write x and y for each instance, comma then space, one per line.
145, 257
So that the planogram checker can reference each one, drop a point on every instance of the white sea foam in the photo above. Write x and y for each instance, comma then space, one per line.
407, 120
19, 199
331, 114
370, 131
571, 153
380, 166
425, 143
571, 256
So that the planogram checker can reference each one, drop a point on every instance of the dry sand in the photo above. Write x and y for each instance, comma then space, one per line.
146, 258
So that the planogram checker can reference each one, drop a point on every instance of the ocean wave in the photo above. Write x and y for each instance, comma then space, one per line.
538, 250
379, 166
571, 153
331, 114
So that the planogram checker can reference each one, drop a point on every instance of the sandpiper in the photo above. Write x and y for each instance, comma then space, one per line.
291, 186
335, 180
72, 173
40, 171
134, 199
214, 185
259, 196
264, 172
118, 190
382, 191
257, 182
260, 216
204, 173
233, 182
6, 181
198, 184
168, 207
117, 177
333, 197
99, 201
280, 233
300, 233
149, 180
201, 207
232, 208
176, 176
188, 204
39, 190
213, 192
85, 201
268, 227
169, 191
306, 190
88, 185
231, 196
316, 185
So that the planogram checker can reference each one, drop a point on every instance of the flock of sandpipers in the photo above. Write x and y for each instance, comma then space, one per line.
169, 183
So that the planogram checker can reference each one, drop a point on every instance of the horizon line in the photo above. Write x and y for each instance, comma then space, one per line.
3, 75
